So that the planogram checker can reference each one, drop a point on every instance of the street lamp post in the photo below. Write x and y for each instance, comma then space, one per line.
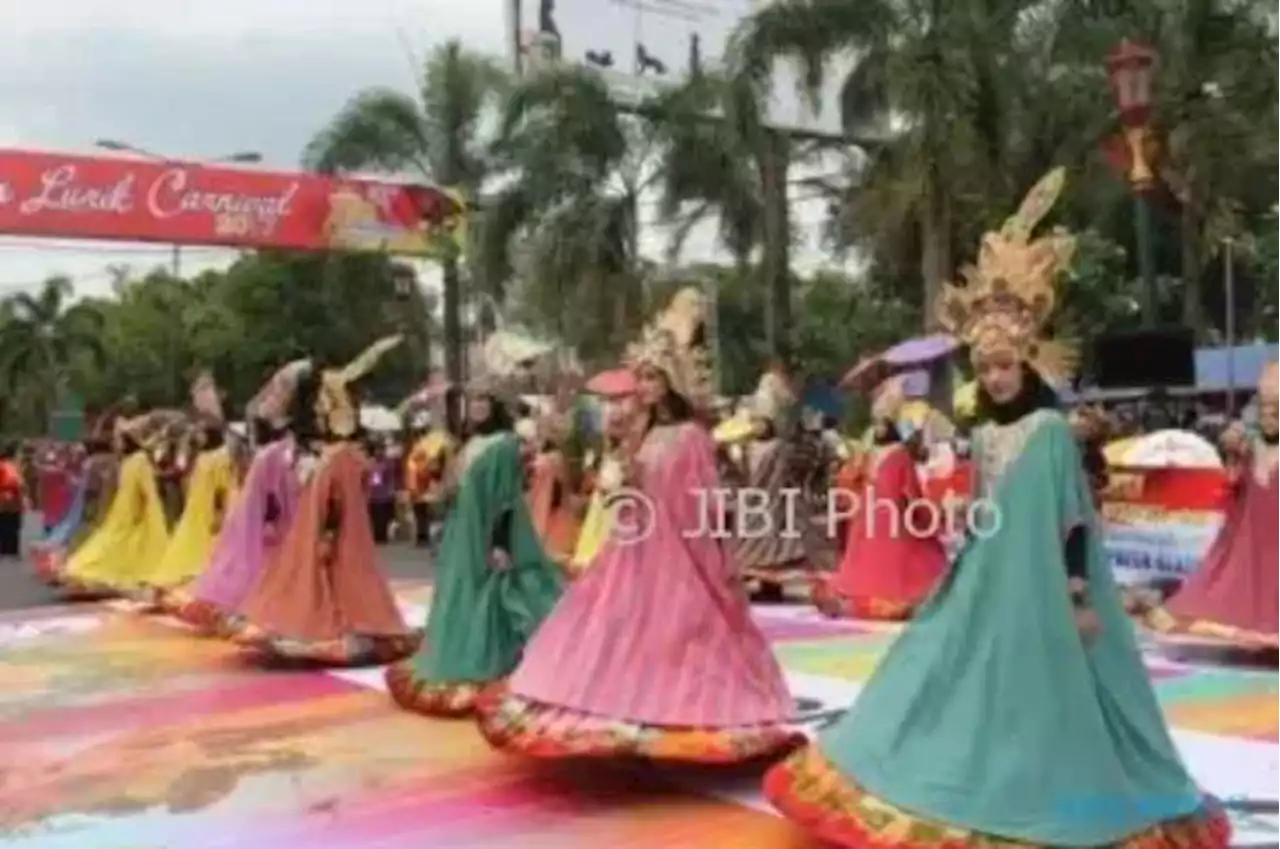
241, 157
1130, 69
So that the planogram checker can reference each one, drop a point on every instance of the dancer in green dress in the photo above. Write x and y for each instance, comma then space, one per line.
494, 583
1015, 711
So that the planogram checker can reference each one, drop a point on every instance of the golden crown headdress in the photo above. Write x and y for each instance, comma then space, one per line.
773, 397
335, 411
1008, 295
506, 363
273, 400
206, 400
674, 345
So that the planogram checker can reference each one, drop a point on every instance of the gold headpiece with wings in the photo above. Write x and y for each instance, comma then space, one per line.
272, 402
674, 345
205, 398
773, 398
505, 365
149, 429
1008, 295
335, 412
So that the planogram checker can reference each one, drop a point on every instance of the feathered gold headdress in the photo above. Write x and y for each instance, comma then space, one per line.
335, 412
505, 364
773, 398
272, 402
673, 344
149, 429
1008, 295
205, 399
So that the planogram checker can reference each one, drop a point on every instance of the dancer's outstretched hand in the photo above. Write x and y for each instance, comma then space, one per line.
499, 560
1088, 623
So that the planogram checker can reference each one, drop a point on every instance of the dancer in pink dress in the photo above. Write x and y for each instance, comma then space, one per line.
258, 519
1232, 597
893, 557
249, 539
653, 653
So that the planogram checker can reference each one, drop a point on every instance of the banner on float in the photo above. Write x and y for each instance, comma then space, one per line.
84, 197
1160, 522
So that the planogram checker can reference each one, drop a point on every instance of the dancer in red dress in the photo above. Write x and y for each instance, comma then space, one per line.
893, 555
1232, 597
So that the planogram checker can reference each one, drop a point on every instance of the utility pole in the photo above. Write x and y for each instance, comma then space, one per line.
515, 21
776, 264
774, 166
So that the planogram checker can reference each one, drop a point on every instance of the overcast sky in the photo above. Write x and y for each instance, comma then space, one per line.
206, 79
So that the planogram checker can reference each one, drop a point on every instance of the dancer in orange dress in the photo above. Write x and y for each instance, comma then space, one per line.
325, 599
552, 497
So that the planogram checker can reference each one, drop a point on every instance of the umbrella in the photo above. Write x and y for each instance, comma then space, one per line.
867, 373
614, 383
1171, 449
920, 351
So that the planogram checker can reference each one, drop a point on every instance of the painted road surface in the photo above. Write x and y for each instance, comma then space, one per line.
120, 731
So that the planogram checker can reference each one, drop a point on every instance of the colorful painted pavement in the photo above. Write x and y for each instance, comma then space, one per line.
119, 731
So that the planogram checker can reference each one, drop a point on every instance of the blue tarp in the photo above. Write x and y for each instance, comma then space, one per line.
1218, 372
824, 398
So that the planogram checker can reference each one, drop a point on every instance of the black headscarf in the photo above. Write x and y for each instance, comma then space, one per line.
1034, 395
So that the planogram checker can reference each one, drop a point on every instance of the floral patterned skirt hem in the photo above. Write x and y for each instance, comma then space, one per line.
205, 617
833, 605
811, 792
451, 699
521, 725
1161, 621
69, 586
347, 650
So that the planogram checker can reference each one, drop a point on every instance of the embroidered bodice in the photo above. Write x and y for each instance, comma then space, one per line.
473, 449
999, 445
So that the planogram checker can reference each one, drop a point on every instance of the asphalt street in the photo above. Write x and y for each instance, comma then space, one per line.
19, 587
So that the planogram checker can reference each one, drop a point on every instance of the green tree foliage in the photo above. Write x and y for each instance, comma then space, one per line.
156, 332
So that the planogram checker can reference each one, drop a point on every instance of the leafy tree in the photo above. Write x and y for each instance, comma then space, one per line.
439, 136
41, 337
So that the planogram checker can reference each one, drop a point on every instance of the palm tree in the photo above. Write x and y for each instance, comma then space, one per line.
437, 135
934, 83
41, 339
572, 166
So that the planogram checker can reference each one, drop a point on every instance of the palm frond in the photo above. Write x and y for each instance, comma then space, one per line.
378, 129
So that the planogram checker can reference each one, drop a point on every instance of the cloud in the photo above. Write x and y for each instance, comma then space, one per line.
200, 79
212, 77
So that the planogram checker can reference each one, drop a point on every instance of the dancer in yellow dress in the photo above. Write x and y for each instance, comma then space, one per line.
619, 424
209, 492
133, 537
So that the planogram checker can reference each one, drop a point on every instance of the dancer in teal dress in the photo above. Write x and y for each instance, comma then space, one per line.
1015, 711
494, 583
